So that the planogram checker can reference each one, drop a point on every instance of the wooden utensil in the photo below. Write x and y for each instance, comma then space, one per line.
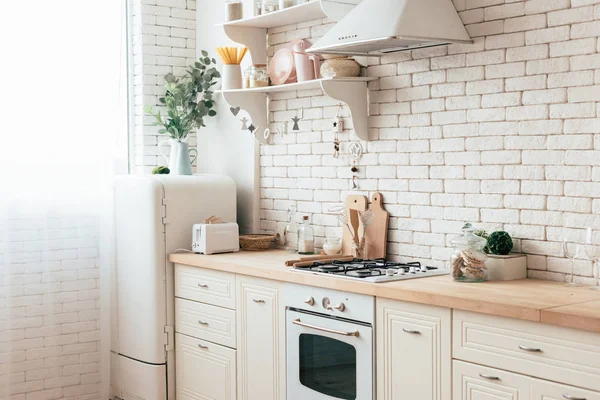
325, 257
377, 231
308, 263
354, 204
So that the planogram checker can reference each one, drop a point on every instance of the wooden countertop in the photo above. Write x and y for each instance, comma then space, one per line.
527, 299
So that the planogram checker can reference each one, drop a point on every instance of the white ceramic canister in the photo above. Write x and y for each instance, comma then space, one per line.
231, 77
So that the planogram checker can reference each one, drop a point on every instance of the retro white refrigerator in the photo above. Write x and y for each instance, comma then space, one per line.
153, 218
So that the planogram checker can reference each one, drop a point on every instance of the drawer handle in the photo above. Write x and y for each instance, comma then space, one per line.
204, 323
568, 396
203, 347
258, 301
412, 331
531, 349
203, 285
489, 377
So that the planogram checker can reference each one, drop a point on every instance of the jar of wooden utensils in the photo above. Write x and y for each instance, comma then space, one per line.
231, 77
468, 260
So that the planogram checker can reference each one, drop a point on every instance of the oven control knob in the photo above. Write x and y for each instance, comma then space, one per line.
401, 271
413, 270
390, 272
423, 268
340, 307
326, 303
310, 301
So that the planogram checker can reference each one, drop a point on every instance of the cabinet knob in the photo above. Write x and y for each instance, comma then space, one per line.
489, 377
310, 301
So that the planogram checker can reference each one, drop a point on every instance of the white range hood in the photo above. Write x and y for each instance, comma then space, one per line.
378, 27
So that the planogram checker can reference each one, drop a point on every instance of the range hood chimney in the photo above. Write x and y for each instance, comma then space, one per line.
379, 27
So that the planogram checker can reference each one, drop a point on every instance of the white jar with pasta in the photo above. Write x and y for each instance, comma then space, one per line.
468, 261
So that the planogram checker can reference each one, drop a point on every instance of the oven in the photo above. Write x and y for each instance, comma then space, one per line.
328, 356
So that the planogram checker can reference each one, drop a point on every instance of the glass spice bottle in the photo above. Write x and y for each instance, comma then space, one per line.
306, 241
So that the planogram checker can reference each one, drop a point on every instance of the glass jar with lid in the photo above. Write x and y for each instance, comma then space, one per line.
468, 261
258, 76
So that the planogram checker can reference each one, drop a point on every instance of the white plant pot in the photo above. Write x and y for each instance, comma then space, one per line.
506, 268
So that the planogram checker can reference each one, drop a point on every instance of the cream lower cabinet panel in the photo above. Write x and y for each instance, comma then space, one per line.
475, 382
543, 390
261, 339
413, 351
205, 371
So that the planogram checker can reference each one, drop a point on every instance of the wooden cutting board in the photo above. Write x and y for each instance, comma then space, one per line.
354, 204
377, 231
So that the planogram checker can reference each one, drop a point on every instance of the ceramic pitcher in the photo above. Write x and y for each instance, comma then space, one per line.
179, 161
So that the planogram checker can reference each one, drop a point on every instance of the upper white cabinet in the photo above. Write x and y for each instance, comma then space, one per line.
474, 382
413, 351
261, 339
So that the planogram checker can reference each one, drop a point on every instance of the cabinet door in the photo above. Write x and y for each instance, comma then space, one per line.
204, 370
413, 351
544, 390
261, 339
475, 382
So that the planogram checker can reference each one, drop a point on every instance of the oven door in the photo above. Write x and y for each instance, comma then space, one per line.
328, 358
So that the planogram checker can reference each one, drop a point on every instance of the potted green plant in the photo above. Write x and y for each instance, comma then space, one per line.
188, 100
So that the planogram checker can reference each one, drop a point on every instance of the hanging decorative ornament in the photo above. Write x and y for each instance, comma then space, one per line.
244, 121
336, 128
252, 128
234, 110
297, 118
355, 152
282, 131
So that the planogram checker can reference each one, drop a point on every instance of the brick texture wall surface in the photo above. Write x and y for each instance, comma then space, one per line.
164, 41
504, 133
49, 308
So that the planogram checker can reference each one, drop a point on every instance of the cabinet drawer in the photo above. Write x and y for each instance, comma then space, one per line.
204, 321
204, 370
543, 390
207, 286
544, 351
475, 382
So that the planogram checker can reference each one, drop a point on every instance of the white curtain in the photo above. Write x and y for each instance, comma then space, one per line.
63, 137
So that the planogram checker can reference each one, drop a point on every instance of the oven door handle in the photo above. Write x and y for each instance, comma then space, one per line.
298, 322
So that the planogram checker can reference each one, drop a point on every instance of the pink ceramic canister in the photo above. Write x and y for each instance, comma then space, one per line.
307, 65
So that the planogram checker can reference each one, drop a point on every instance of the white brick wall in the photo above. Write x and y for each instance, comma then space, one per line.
164, 40
504, 133
49, 308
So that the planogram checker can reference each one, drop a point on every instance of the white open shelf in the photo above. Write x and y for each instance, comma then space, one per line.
352, 91
252, 32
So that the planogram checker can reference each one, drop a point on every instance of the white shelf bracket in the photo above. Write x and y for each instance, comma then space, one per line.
255, 104
335, 11
355, 95
255, 39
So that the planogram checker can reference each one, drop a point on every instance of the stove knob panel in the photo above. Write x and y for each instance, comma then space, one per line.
310, 301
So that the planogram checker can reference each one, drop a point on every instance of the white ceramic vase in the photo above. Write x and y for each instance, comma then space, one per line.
179, 159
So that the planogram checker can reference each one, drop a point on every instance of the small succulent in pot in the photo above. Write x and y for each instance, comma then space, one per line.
161, 170
500, 243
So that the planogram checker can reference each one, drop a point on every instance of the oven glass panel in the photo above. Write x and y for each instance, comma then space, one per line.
328, 366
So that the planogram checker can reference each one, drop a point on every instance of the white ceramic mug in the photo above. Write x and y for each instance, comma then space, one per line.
231, 77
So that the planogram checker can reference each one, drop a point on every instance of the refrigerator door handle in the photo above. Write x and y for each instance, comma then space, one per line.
169, 338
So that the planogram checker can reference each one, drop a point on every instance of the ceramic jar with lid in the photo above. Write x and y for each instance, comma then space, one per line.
468, 261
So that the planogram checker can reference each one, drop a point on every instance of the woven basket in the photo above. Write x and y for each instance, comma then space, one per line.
256, 242
340, 68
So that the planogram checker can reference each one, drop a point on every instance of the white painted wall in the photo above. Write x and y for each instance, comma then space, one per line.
222, 147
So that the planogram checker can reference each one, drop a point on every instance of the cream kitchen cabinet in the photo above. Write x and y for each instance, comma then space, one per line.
261, 339
543, 390
413, 351
475, 382
204, 370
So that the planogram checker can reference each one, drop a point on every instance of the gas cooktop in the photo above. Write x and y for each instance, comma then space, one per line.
378, 270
